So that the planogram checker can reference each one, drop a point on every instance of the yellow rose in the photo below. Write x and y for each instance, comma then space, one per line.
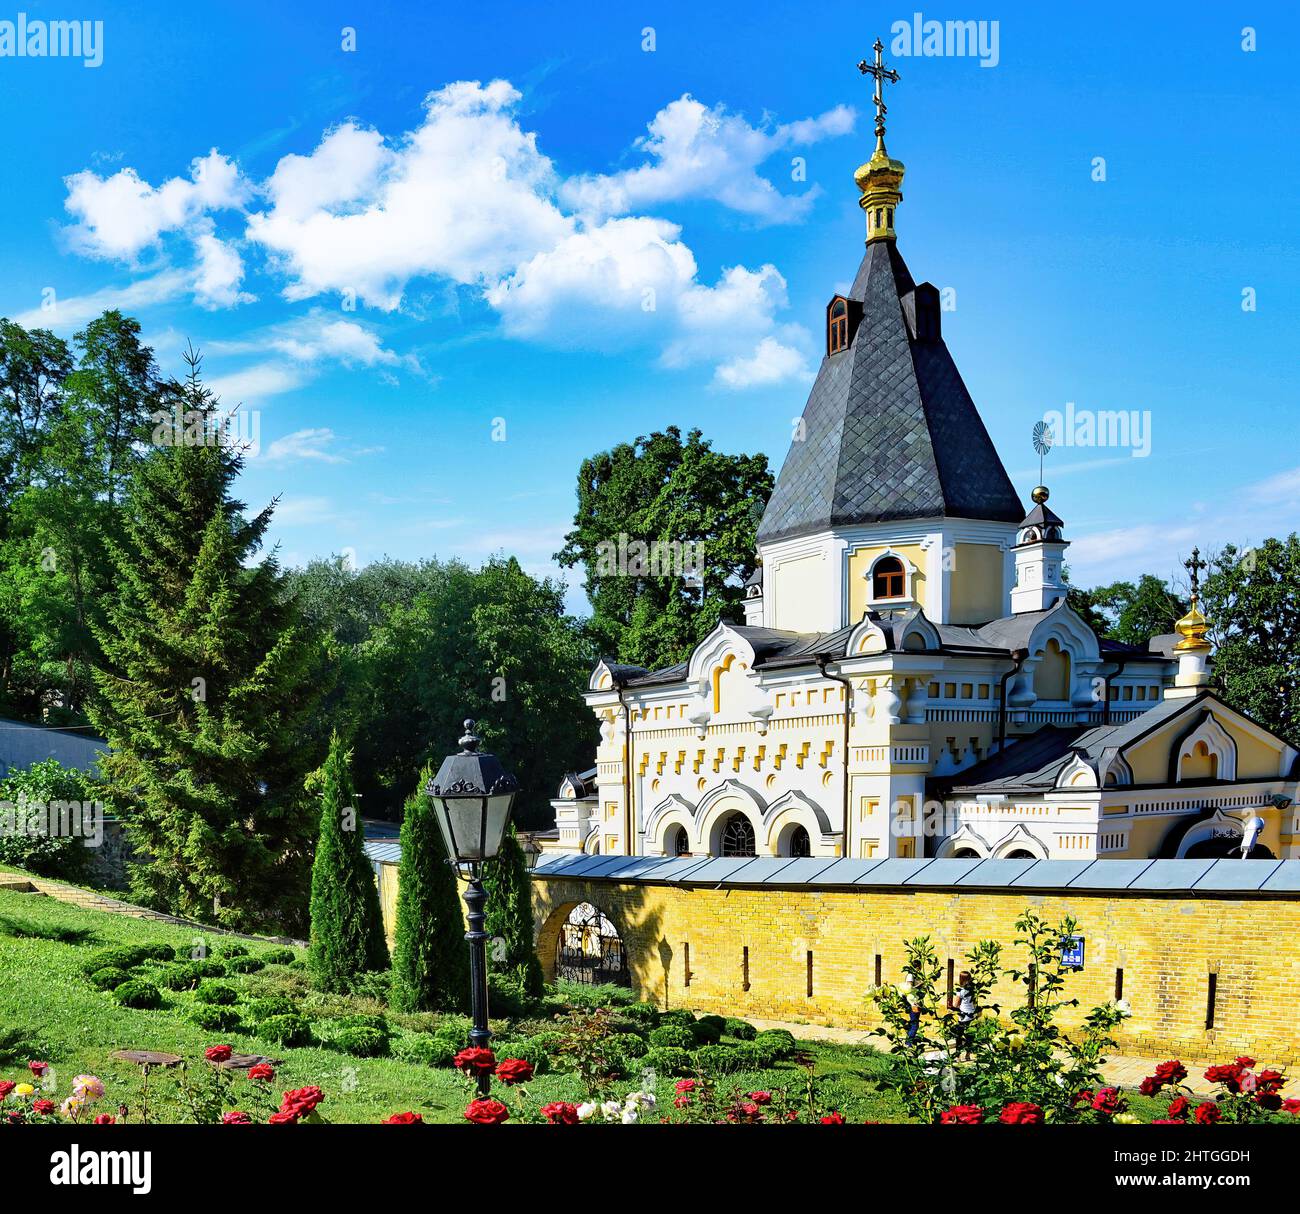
24, 1089
1125, 1119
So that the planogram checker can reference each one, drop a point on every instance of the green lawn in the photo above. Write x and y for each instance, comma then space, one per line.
63, 1020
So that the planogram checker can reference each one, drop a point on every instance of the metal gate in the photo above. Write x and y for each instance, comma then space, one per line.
589, 950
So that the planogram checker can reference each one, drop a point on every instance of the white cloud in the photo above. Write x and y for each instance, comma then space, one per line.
317, 337
163, 287
306, 444
693, 151
121, 216
257, 382
219, 272
771, 363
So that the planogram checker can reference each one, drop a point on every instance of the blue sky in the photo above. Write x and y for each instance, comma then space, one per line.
383, 250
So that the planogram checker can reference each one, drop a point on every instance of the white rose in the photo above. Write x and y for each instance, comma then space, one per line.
585, 1111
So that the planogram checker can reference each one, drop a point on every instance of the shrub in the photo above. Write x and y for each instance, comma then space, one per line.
718, 1059
244, 965
588, 998
454, 1030
108, 978
208, 967
215, 1019
549, 1040
672, 1036
509, 912
646, 1013
358, 1041
766, 1053
373, 984
230, 948
748, 1056
741, 1030
423, 1048
707, 1030
122, 957
630, 1045
158, 951
780, 1042
678, 1015
220, 993
267, 1006
176, 976
27, 845
667, 1060
137, 993
508, 995
279, 956
285, 1030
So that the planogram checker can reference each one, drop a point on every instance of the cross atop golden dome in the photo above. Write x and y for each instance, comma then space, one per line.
880, 180
1193, 626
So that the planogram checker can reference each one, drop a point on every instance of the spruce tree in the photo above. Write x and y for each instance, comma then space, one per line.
347, 928
202, 687
510, 915
430, 956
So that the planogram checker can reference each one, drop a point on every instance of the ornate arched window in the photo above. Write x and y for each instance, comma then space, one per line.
837, 327
888, 579
679, 843
737, 838
800, 843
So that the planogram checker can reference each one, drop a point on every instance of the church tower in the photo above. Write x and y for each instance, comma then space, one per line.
1040, 564
892, 496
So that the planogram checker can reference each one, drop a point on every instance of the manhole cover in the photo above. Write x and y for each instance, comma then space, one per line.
147, 1057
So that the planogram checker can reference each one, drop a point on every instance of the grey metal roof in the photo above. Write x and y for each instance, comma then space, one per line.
382, 851
890, 431
1210, 877
22, 744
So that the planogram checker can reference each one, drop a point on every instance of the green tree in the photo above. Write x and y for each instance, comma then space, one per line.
347, 928
203, 690
1250, 599
1136, 612
509, 916
430, 957
662, 491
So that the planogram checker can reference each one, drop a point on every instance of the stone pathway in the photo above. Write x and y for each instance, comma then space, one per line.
76, 896
1122, 1070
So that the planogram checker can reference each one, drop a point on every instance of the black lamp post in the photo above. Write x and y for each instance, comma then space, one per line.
472, 796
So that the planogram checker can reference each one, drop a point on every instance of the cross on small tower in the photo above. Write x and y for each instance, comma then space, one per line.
1194, 567
881, 73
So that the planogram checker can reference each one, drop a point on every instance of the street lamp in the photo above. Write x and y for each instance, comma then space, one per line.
472, 796
532, 853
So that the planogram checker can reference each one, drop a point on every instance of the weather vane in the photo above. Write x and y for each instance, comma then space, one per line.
1043, 440
881, 73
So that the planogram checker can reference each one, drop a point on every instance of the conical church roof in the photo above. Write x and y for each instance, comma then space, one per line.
890, 431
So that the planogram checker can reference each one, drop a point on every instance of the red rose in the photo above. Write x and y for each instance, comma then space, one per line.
1178, 1106
43, 1107
1108, 1101
761, 1097
486, 1112
1229, 1076
1206, 1113
684, 1085
475, 1060
1084, 1097
283, 1117
1150, 1086
262, 1070
238, 1118
1166, 1121
403, 1119
1021, 1113
962, 1114
1245, 1063
218, 1053
514, 1070
560, 1112
682, 1102
833, 1119
38, 1068
1172, 1071
749, 1109
6, 1086
1268, 1100
1291, 1106
105, 1119
1270, 1079
301, 1101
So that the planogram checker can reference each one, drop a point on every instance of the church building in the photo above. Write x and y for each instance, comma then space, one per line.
910, 679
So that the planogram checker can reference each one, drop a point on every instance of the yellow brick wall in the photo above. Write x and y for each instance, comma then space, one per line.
1167, 947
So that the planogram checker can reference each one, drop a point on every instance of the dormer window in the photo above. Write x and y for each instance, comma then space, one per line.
888, 579
837, 326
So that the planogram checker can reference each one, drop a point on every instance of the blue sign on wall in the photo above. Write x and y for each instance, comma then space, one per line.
1072, 953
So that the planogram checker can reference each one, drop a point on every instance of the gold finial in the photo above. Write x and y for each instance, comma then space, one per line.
1040, 494
1193, 626
881, 178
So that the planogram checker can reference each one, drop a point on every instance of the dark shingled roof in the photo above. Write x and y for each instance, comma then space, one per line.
890, 430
